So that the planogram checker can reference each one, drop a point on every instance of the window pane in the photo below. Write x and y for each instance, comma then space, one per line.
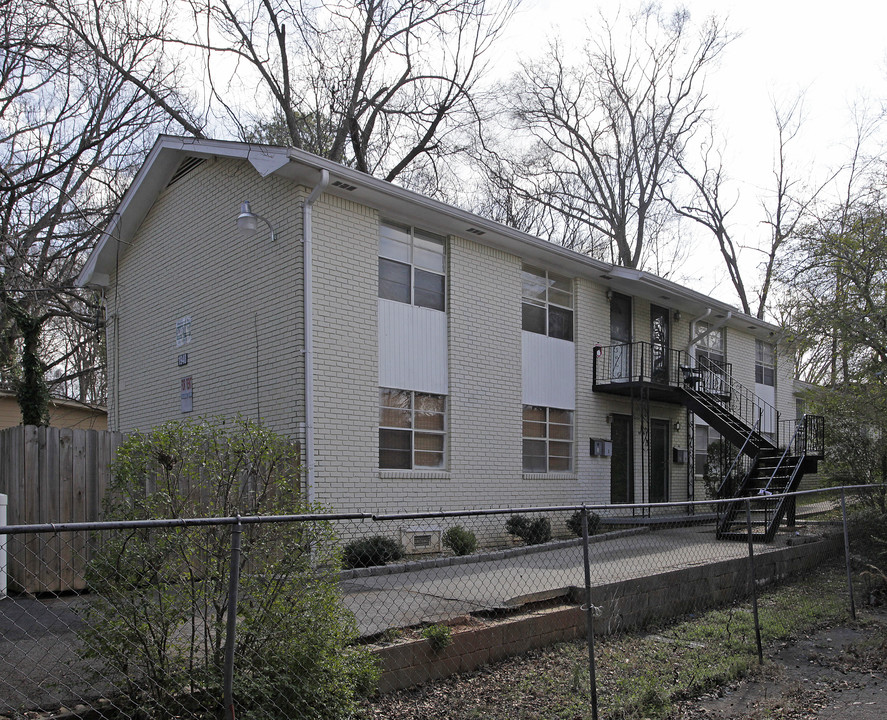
428, 251
534, 284
389, 417
394, 242
535, 413
429, 290
429, 441
429, 459
534, 429
561, 432
560, 464
534, 456
560, 323
560, 290
394, 449
389, 397
429, 421
533, 318
560, 449
394, 280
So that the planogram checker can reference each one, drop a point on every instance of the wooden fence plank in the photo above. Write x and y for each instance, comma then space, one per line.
78, 509
65, 507
48, 493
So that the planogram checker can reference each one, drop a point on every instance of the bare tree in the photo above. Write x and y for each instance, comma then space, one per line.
386, 86
71, 133
602, 133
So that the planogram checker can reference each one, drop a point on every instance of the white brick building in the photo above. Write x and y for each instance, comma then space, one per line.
449, 361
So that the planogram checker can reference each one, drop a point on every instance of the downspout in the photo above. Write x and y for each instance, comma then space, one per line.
308, 310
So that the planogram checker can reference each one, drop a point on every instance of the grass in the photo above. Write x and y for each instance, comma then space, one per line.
639, 675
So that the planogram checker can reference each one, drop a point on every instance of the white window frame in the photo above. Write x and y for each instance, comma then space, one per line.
411, 430
765, 367
548, 442
549, 294
418, 262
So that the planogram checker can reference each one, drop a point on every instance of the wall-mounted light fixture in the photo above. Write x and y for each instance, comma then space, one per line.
609, 418
246, 221
677, 315
677, 426
609, 294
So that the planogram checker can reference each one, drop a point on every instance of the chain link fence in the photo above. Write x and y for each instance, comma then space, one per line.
328, 615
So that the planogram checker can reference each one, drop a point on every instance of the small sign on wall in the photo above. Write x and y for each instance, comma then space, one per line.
187, 395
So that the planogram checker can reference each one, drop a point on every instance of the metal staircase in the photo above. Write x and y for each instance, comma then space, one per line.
765, 467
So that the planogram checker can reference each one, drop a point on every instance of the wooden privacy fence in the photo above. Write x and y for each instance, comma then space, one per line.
53, 475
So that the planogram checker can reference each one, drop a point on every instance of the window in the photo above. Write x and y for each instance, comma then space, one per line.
704, 436
412, 428
548, 439
711, 347
765, 363
547, 303
411, 266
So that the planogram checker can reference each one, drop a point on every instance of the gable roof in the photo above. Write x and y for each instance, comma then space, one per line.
395, 203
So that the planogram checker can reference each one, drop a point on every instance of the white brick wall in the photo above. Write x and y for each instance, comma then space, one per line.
243, 296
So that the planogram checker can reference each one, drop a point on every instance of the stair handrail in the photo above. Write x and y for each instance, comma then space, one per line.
740, 399
795, 440
739, 455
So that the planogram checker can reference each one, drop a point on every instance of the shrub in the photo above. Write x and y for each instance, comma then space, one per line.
574, 523
438, 636
371, 551
532, 532
158, 611
460, 540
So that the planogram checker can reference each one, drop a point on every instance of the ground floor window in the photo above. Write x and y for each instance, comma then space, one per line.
412, 430
547, 439
704, 436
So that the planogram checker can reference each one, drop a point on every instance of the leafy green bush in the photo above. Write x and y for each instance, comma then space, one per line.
438, 636
460, 540
532, 532
371, 551
574, 523
158, 611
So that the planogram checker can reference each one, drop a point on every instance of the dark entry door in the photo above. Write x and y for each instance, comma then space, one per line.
659, 461
660, 340
622, 461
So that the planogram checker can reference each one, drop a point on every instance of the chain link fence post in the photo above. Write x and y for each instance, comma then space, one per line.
754, 584
847, 554
231, 630
589, 615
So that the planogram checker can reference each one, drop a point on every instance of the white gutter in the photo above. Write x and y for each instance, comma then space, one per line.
308, 310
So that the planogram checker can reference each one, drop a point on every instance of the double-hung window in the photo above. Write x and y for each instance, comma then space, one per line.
765, 363
412, 430
412, 266
547, 439
547, 303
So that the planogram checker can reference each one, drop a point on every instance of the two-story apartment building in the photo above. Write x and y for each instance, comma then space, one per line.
425, 357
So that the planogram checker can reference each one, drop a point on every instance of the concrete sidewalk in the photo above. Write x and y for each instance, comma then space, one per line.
393, 600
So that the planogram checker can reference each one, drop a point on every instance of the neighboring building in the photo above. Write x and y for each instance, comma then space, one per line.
63, 413
450, 360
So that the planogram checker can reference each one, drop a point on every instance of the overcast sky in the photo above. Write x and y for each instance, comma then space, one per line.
833, 52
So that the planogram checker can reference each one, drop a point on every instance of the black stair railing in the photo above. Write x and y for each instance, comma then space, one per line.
717, 381
735, 480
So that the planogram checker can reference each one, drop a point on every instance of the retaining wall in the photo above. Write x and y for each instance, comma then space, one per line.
622, 606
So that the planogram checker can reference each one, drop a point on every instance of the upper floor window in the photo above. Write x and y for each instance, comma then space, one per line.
412, 266
711, 347
412, 427
547, 306
765, 363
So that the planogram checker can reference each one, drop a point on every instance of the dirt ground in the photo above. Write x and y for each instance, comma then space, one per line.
839, 673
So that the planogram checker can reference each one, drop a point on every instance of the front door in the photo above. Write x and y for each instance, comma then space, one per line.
622, 461
620, 336
660, 340
659, 461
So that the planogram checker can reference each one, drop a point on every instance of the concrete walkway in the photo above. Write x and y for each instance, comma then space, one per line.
401, 599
